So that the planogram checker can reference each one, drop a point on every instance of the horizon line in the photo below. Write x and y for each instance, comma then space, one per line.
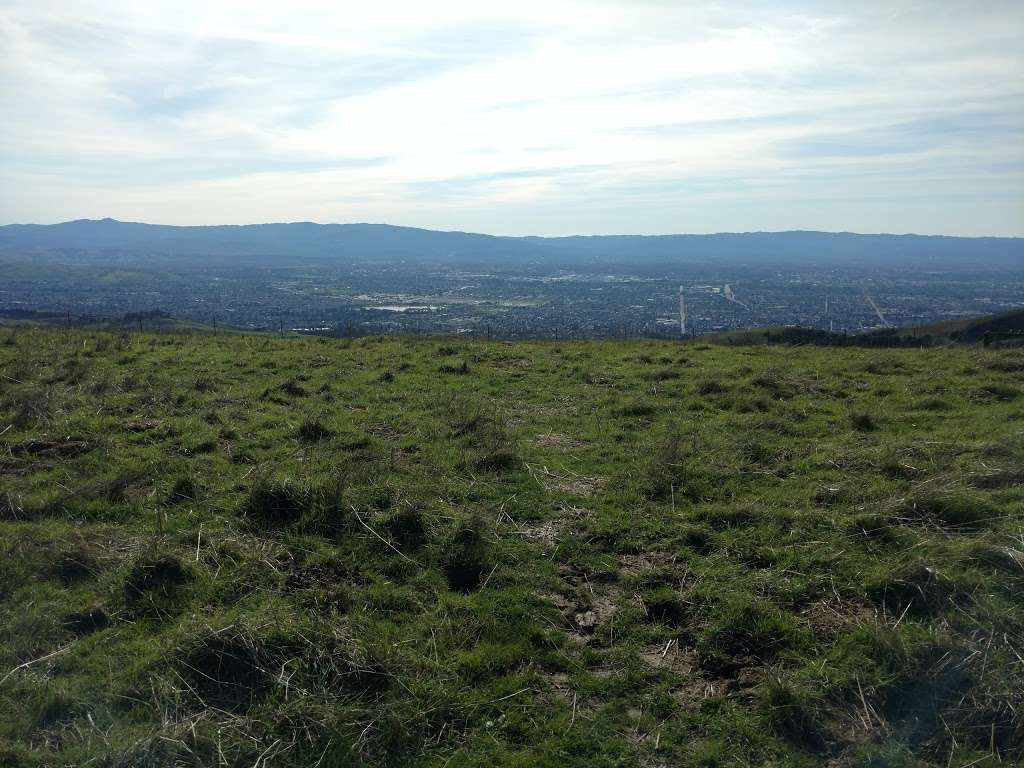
537, 237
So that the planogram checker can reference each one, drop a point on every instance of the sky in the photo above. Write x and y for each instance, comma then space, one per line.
548, 118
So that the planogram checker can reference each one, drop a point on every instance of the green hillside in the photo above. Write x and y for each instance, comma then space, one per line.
1003, 329
974, 329
246, 550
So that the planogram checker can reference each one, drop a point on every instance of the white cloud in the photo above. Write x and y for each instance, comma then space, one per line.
562, 116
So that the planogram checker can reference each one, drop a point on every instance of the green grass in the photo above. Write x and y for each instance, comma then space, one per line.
240, 550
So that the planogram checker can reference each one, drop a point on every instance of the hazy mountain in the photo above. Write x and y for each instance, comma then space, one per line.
305, 242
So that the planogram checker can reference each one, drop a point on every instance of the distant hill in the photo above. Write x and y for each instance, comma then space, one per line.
305, 242
974, 329
969, 331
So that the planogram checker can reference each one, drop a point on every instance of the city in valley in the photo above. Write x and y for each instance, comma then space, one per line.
363, 279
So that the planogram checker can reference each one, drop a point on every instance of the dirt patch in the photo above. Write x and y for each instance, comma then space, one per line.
561, 690
143, 425
577, 513
560, 687
544, 535
326, 574
558, 441
565, 482
587, 617
645, 562
589, 608
385, 431
691, 694
64, 449
20, 467
670, 656
575, 485
320, 361
829, 617
584, 578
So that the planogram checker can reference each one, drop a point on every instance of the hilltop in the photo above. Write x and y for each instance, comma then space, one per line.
250, 550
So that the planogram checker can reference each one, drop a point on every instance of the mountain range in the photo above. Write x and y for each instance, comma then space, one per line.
299, 243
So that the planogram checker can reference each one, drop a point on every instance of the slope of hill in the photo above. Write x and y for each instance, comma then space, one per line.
974, 329
306, 242
1003, 327
244, 550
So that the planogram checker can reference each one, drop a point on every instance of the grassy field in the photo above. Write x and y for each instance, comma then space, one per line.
246, 550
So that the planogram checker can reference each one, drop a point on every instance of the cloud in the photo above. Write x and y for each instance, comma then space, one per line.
560, 117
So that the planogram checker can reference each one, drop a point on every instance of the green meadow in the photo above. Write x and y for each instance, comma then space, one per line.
260, 551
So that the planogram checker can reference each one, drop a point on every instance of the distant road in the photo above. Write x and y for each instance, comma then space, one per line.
878, 312
728, 294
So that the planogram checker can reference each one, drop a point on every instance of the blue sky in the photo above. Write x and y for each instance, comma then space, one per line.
556, 117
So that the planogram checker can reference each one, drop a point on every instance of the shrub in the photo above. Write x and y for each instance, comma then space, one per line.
951, 509
711, 387
228, 669
487, 443
461, 369
1001, 392
872, 527
184, 489
86, 622
794, 715
637, 409
664, 374
746, 630
920, 590
773, 382
292, 388
407, 526
863, 422
313, 430
665, 607
286, 503
467, 560
672, 471
160, 575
